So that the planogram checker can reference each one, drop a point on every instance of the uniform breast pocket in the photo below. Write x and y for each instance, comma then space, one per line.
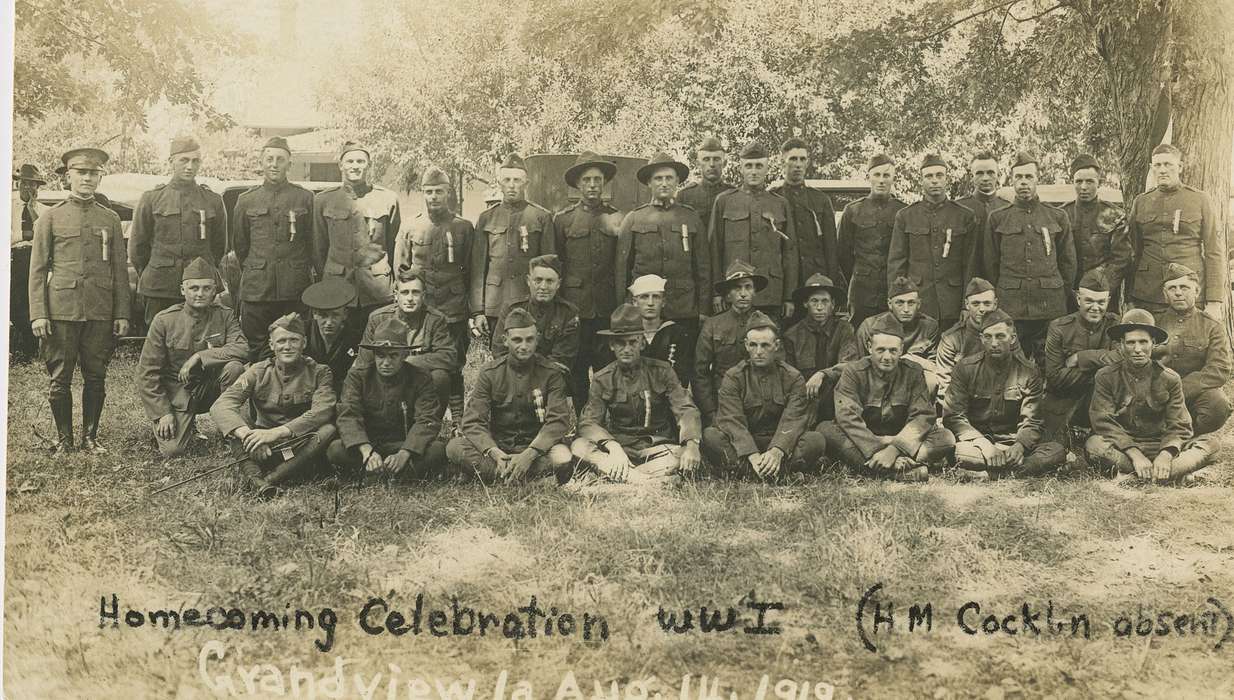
259, 221
646, 240
338, 224
296, 400
736, 234
1189, 224
66, 244
167, 223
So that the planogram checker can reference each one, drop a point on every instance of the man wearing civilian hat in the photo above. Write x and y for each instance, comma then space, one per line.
1095, 224
821, 342
556, 318
1030, 257
986, 176
193, 351
518, 413
814, 217
331, 339
762, 423
934, 243
1172, 223
272, 234
865, 240
587, 246
354, 226
993, 407
749, 223
276, 402
79, 295
1199, 350
700, 195
665, 237
920, 332
640, 424
1076, 346
174, 224
388, 413
1138, 412
721, 341
884, 414
26, 210
964, 338
507, 237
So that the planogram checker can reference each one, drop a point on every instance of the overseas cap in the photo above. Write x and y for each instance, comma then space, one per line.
278, 142
390, 334
996, 317
183, 144
1094, 281
291, 323
647, 284
330, 293
932, 159
434, 175
1083, 161
791, 143
711, 143
880, 159
977, 285
886, 323
902, 285
1175, 271
85, 159
753, 151
518, 317
625, 320
514, 160
199, 269
758, 320
1024, 158
551, 261
349, 146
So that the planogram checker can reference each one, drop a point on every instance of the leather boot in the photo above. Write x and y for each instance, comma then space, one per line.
91, 412
62, 414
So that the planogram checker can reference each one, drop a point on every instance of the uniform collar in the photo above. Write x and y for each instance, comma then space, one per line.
178, 184
935, 206
751, 190
985, 198
1029, 205
667, 204
440, 217
358, 189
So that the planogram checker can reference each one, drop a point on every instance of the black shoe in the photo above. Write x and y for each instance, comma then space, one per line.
92, 445
63, 446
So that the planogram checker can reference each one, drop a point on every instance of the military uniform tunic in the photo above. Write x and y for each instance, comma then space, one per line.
1154, 240
173, 225
869, 405
513, 408
1096, 226
994, 400
299, 398
1072, 335
700, 195
720, 348
428, 333
71, 278
981, 206
443, 260
812, 348
863, 246
762, 408
508, 236
353, 233
276, 262
757, 226
667, 343
338, 354
618, 403
375, 410
650, 242
1029, 257
587, 246
959, 341
176, 334
814, 220
1199, 351
1140, 407
557, 330
935, 245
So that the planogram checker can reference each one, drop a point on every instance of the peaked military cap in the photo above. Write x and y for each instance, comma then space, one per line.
434, 175
1175, 271
753, 151
1083, 161
791, 143
880, 159
1024, 158
513, 160
518, 317
1138, 320
277, 142
662, 160
625, 320
646, 284
1094, 281
818, 282
711, 143
586, 160
739, 270
902, 285
330, 293
977, 285
291, 323
30, 173
996, 317
551, 261
349, 146
84, 159
199, 269
931, 160
758, 320
390, 334
183, 144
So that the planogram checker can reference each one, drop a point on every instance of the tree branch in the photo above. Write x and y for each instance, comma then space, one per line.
1043, 13
962, 20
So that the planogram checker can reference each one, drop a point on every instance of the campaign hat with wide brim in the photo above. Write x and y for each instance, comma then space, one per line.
625, 321
662, 160
29, 173
732, 278
586, 160
818, 282
1138, 320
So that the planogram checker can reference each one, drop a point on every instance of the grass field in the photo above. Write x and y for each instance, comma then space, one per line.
78, 530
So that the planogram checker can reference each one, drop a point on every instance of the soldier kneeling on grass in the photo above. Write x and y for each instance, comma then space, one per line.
518, 412
884, 413
389, 413
1139, 413
763, 413
280, 411
193, 351
992, 407
636, 414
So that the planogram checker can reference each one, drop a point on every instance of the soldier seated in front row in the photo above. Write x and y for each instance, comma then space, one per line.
820, 343
992, 407
920, 331
275, 402
639, 424
1199, 350
1138, 412
884, 414
389, 415
193, 351
761, 425
518, 412
964, 337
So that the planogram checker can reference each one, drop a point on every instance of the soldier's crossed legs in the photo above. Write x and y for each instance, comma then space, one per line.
427, 466
467, 460
975, 455
721, 455
1195, 454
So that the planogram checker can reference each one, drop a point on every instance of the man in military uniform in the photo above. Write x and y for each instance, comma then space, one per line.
752, 224
814, 217
507, 237
884, 414
556, 319
518, 413
388, 413
1029, 256
1199, 350
193, 351
762, 423
1076, 346
272, 226
354, 226
964, 338
79, 295
919, 331
26, 209
1138, 412
278, 400
587, 246
173, 225
987, 176
721, 342
700, 195
934, 243
639, 424
428, 335
438, 243
331, 339
865, 240
662, 339
993, 408
821, 342
1175, 223
1095, 225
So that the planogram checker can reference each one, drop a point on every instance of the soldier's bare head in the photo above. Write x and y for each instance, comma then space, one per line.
997, 339
820, 305
885, 350
274, 164
513, 184
981, 304
711, 160
762, 345
1086, 182
521, 342
1181, 292
905, 306
754, 171
985, 171
935, 182
544, 278
740, 295
796, 160
198, 293
1024, 180
882, 179
1167, 165
409, 291
1092, 303
1137, 347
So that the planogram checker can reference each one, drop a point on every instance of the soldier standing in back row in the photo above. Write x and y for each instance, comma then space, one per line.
273, 239
756, 226
701, 194
587, 246
814, 217
26, 210
1095, 225
173, 225
865, 239
79, 295
987, 176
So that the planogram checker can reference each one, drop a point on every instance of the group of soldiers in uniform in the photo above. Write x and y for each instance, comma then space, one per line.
736, 326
